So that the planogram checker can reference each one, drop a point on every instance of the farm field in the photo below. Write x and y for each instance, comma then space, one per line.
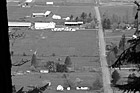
119, 10
18, 14
55, 79
116, 36
81, 46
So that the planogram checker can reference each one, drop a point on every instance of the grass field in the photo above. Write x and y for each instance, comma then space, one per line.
82, 44
56, 79
16, 12
119, 10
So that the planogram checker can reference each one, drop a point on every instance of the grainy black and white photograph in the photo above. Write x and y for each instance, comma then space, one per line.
74, 46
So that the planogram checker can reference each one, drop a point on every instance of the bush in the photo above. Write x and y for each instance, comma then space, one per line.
34, 61
68, 83
50, 65
97, 85
68, 62
114, 26
61, 68
115, 77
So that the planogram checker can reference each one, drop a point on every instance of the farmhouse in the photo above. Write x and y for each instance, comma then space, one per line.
47, 13
56, 17
19, 24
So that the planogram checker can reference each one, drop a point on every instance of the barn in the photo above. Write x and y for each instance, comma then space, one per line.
19, 24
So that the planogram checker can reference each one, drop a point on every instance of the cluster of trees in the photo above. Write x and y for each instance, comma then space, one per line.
13, 36
129, 55
117, 22
114, 51
87, 18
53, 66
34, 90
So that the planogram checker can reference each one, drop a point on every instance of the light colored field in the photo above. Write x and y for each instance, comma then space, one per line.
82, 44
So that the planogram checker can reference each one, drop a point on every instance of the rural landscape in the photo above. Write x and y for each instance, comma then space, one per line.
74, 46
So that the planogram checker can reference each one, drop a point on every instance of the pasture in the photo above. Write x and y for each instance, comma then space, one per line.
16, 13
82, 46
55, 79
121, 11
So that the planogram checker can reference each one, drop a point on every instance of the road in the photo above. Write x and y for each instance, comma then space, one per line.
102, 53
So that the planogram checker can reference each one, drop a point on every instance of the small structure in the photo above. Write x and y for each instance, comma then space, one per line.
68, 88
60, 88
82, 88
56, 17
44, 71
67, 18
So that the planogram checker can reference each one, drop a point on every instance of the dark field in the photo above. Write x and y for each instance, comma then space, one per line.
119, 10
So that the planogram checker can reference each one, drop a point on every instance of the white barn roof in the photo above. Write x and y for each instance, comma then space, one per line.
19, 24
74, 23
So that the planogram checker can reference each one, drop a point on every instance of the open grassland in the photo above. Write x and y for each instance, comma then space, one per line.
82, 46
119, 10
115, 37
56, 79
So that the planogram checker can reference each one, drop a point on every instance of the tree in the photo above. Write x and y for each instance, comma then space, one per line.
61, 67
89, 18
114, 26
92, 24
122, 25
71, 17
130, 56
68, 62
34, 62
106, 23
115, 77
50, 65
83, 17
77, 19
122, 43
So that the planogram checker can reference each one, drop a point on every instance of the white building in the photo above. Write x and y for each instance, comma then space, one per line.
40, 25
60, 88
56, 17
47, 13
49, 3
